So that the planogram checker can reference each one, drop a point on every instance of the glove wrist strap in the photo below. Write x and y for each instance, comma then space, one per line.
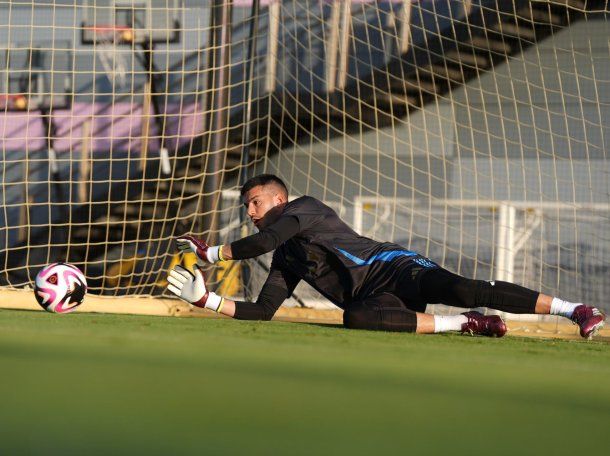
214, 302
210, 301
213, 253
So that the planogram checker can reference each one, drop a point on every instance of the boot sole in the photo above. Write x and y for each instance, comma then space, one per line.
595, 330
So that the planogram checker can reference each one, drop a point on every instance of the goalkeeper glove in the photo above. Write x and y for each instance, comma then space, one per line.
191, 288
205, 253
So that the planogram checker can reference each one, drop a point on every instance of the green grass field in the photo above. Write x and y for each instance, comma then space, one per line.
107, 384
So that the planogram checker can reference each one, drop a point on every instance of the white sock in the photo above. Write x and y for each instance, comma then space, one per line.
563, 308
444, 323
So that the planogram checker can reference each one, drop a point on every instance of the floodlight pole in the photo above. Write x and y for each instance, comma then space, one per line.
217, 117
247, 135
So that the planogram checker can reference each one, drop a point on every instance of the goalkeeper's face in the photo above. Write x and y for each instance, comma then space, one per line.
264, 204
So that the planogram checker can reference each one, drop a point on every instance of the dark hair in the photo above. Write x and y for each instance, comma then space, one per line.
262, 179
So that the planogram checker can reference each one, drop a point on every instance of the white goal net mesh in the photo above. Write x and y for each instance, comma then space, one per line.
474, 132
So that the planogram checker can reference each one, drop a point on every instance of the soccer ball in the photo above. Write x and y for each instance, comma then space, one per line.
60, 288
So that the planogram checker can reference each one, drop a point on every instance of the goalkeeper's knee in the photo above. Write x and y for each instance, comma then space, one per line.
383, 312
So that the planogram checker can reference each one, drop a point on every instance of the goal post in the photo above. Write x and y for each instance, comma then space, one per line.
535, 244
474, 132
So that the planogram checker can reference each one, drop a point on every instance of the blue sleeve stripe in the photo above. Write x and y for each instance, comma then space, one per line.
381, 256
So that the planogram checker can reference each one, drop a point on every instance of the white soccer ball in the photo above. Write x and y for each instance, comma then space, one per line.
60, 288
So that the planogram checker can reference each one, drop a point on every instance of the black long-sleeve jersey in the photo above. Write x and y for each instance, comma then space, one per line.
313, 244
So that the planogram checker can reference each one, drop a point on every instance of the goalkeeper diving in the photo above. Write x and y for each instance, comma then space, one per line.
379, 285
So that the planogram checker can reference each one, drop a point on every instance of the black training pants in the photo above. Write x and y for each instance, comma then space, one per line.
392, 312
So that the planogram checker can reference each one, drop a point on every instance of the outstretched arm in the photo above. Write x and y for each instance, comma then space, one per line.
266, 240
269, 300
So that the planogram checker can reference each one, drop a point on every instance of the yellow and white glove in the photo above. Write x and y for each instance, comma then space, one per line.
191, 288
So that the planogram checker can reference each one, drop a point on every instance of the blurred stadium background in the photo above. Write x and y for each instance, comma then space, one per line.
474, 132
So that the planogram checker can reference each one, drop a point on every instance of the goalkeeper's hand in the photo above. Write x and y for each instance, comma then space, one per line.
205, 253
191, 288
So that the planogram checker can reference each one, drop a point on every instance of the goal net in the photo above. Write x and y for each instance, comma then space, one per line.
474, 132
